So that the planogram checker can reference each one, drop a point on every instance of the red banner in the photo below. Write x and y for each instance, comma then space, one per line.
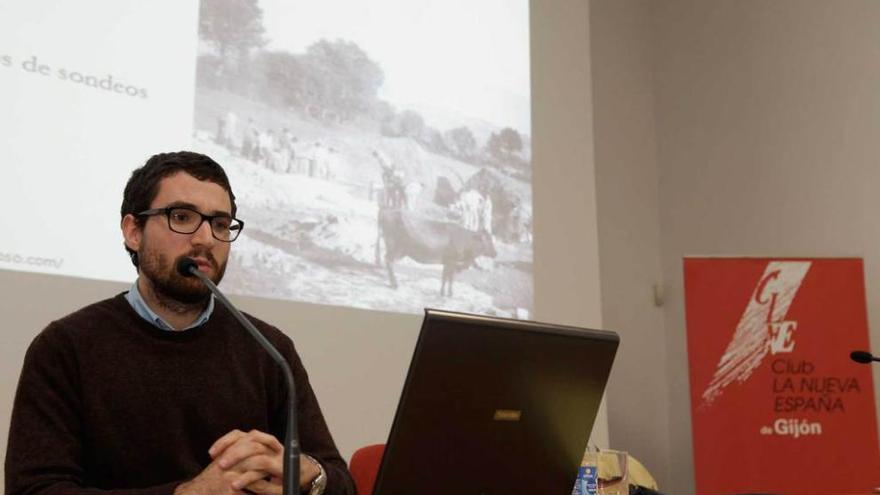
777, 405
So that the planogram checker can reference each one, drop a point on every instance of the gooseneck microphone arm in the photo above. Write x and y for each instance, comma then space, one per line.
188, 268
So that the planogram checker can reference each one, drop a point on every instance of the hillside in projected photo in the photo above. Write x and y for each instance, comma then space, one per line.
381, 158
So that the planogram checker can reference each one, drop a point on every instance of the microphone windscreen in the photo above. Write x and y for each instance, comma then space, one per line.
861, 356
186, 266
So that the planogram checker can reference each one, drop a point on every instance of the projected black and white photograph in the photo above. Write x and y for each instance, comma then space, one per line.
380, 151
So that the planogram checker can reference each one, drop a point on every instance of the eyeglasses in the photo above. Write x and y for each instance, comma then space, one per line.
186, 221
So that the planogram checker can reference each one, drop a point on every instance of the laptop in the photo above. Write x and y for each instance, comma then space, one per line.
495, 406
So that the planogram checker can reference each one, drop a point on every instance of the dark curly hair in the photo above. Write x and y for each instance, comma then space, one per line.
143, 185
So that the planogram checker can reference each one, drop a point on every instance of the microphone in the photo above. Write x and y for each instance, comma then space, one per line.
189, 268
863, 357
186, 266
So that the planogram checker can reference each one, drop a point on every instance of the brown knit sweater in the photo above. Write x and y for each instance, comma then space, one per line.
107, 401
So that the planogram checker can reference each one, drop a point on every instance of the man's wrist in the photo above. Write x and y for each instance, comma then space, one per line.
319, 483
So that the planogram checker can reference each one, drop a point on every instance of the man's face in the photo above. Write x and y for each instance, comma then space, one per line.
160, 249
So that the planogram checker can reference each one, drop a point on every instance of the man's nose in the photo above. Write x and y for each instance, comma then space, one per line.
203, 235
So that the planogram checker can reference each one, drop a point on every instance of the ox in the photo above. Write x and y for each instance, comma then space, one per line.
430, 241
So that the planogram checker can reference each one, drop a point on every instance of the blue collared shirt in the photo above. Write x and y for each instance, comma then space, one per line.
140, 307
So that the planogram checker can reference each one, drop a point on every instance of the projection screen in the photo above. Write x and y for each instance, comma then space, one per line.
379, 151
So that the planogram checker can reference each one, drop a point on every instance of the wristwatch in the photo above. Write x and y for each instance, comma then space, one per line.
319, 484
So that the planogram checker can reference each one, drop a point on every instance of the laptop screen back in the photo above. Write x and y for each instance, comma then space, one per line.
495, 406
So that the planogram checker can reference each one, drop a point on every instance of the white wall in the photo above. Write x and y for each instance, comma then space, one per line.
766, 116
357, 359
565, 228
627, 176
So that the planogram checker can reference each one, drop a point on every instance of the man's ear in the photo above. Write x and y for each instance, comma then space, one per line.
132, 232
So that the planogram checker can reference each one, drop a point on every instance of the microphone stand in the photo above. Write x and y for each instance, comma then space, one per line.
189, 268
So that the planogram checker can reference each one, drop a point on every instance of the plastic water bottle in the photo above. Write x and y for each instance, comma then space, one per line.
587, 481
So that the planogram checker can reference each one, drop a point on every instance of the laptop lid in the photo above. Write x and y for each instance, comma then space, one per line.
495, 406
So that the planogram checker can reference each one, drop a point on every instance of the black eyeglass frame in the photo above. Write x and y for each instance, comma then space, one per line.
210, 218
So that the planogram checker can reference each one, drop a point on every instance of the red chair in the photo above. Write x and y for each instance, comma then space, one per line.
364, 467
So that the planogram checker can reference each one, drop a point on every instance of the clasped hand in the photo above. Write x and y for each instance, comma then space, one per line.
249, 462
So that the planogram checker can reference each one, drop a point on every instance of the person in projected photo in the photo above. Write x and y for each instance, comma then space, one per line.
159, 390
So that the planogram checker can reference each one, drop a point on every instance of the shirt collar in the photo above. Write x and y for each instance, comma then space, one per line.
140, 307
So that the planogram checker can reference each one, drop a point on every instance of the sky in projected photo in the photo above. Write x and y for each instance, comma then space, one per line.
380, 151
460, 58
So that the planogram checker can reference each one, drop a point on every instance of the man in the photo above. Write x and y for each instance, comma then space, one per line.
150, 392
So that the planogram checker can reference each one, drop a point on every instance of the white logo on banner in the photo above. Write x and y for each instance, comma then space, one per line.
762, 327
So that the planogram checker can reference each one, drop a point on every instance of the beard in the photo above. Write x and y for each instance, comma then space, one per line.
172, 289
